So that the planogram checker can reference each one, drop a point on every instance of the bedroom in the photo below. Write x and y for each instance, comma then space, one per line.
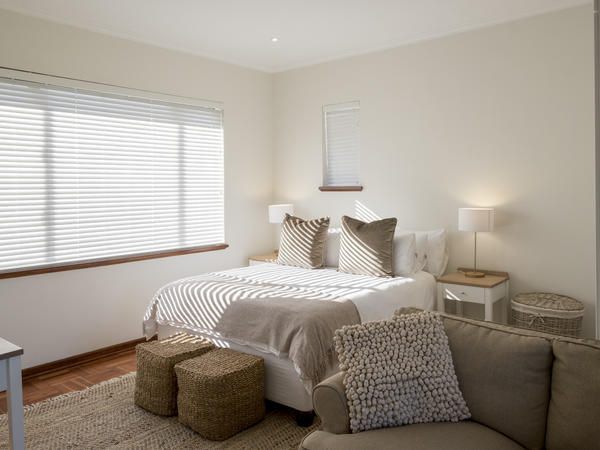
469, 106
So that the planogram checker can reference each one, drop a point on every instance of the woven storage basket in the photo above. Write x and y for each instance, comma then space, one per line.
551, 313
220, 393
155, 383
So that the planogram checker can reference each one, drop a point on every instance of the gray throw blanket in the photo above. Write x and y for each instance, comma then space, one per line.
284, 319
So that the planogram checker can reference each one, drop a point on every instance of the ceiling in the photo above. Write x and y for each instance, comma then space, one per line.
308, 31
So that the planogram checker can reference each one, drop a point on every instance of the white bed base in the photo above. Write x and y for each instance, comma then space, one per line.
282, 382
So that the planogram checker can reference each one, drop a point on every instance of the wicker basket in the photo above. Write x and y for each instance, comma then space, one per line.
220, 393
550, 313
155, 383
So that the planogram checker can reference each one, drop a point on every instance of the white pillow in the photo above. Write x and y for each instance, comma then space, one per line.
332, 247
421, 249
437, 252
404, 253
432, 251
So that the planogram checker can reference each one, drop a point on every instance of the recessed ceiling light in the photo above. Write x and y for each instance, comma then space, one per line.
274, 39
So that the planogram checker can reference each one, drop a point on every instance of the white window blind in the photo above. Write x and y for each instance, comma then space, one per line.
341, 144
88, 176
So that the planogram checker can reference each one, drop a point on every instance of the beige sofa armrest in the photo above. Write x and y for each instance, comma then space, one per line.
330, 403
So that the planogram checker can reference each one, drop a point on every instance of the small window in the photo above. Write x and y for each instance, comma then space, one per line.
341, 146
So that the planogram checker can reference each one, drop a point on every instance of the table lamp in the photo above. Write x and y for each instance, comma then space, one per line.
277, 213
476, 220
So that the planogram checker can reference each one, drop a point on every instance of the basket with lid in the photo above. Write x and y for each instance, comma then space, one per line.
547, 312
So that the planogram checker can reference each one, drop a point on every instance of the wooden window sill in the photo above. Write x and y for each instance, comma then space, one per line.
111, 260
340, 188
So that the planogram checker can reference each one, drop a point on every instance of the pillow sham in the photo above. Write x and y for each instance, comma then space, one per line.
405, 254
432, 251
366, 248
332, 247
399, 372
302, 242
437, 252
421, 244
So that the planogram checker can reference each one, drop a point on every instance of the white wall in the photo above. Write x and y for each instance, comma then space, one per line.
501, 116
58, 315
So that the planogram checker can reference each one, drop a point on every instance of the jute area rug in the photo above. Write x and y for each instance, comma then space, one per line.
104, 417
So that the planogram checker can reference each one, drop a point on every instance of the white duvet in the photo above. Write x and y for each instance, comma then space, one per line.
375, 298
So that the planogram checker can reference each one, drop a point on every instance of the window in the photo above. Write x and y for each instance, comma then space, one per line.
341, 144
91, 176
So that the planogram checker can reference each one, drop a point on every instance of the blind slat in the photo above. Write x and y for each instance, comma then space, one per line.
87, 175
342, 144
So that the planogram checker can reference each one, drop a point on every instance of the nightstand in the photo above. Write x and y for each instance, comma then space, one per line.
262, 259
484, 291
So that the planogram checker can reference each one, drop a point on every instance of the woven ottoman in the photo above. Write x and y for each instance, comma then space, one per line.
220, 393
550, 313
155, 382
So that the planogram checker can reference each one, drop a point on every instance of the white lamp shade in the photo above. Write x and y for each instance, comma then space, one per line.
476, 219
277, 212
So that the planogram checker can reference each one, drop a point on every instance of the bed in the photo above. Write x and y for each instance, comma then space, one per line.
285, 297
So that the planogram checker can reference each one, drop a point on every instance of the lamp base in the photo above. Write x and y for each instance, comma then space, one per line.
472, 274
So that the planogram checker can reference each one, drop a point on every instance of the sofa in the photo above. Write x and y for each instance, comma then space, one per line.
524, 389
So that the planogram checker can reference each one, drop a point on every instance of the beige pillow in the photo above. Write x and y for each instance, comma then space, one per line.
366, 248
302, 242
399, 372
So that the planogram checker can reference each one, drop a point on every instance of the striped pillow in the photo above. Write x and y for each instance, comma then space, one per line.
366, 248
302, 242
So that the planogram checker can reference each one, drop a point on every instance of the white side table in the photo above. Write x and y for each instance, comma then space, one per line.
262, 259
10, 380
485, 291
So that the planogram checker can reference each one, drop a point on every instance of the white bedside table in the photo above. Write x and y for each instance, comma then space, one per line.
484, 291
262, 259
10, 380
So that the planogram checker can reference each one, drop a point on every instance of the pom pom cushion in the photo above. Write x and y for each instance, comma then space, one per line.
302, 242
399, 372
366, 248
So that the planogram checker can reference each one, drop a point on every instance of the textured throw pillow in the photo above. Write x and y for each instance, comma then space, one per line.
399, 372
366, 247
302, 242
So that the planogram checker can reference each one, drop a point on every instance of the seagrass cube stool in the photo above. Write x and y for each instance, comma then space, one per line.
220, 393
155, 382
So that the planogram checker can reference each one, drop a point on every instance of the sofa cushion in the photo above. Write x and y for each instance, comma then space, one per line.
574, 413
504, 375
428, 436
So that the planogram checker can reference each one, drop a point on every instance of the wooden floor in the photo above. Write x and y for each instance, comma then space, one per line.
75, 379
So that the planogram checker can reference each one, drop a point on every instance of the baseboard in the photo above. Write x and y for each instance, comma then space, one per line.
77, 360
